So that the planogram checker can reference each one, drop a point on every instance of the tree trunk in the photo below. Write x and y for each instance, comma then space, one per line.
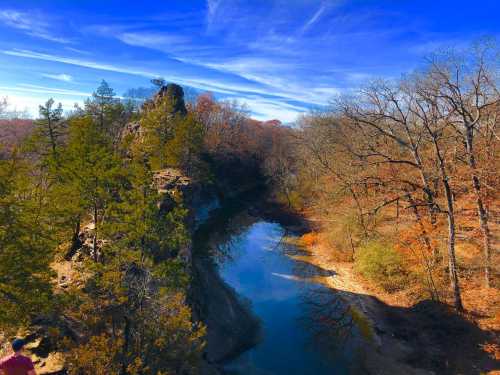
76, 243
452, 262
360, 211
428, 246
94, 239
429, 197
482, 213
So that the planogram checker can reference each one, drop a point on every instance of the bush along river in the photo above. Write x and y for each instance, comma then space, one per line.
266, 309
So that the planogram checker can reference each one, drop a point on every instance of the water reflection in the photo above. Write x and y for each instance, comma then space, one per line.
306, 327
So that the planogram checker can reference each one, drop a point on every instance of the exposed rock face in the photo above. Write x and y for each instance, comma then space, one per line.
170, 180
231, 327
132, 129
86, 241
176, 95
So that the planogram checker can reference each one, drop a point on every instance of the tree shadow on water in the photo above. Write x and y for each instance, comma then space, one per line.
428, 336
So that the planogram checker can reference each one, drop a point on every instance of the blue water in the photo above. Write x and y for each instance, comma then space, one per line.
258, 266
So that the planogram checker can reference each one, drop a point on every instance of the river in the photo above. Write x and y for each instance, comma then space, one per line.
304, 327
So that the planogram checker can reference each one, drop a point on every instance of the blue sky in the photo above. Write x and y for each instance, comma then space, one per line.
279, 57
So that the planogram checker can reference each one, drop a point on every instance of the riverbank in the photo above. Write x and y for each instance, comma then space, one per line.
405, 338
423, 338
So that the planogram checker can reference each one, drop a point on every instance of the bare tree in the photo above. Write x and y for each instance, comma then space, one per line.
466, 88
391, 136
403, 126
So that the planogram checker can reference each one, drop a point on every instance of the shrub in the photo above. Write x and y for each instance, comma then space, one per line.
381, 264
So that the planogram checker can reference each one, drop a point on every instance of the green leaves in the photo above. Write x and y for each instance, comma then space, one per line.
72, 176
26, 248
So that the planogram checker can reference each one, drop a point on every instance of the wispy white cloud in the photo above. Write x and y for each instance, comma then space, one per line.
274, 76
36, 89
31, 24
271, 62
77, 50
79, 62
152, 40
311, 21
201, 83
58, 77
212, 9
264, 109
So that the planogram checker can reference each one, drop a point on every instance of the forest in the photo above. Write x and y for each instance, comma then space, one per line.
398, 182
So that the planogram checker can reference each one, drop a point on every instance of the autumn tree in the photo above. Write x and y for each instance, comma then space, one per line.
464, 89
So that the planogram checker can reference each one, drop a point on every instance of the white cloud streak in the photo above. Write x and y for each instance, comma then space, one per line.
35, 89
78, 62
316, 16
240, 91
59, 77
30, 24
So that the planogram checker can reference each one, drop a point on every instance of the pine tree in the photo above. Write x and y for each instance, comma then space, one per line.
25, 245
109, 113
93, 172
158, 124
185, 147
50, 129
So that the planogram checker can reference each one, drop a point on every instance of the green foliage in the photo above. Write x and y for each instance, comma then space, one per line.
168, 343
50, 129
172, 138
108, 112
149, 230
133, 303
186, 145
158, 124
381, 264
172, 274
101, 104
92, 172
26, 249
99, 356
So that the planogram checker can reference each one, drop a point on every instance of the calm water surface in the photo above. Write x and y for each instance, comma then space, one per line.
279, 290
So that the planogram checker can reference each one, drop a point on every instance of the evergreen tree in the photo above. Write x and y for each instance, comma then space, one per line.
185, 147
25, 245
158, 124
93, 172
50, 126
107, 110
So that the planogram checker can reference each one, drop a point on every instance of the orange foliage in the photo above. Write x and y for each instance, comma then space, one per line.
309, 239
492, 349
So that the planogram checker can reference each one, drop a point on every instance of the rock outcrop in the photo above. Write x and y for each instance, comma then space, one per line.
174, 92
176, 95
